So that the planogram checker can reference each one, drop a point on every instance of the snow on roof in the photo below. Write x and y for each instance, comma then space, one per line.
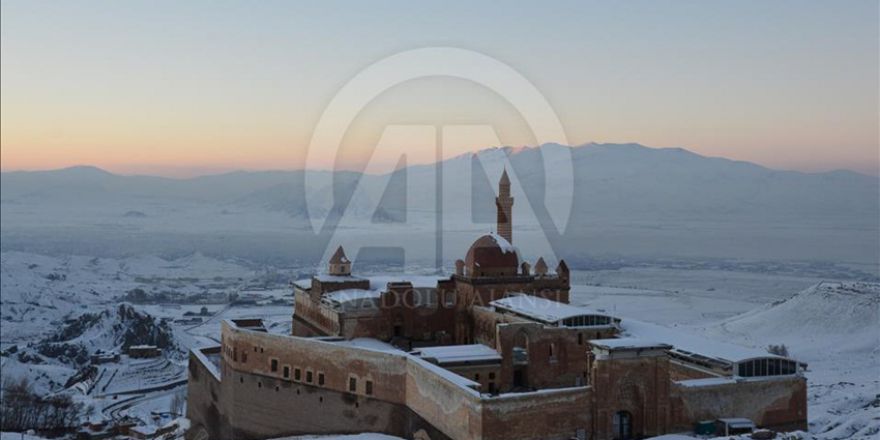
672, 437
304, 284
706, 382
454, 378
687, 342
377, 345
368, 344
378, 281
418, 281
345, 295
541, 309
337, 278
628, 344
505, 245
254, 324
459, 353
339, 256
738, 422
362, 436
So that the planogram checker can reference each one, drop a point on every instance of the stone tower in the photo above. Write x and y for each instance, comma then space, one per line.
504, 203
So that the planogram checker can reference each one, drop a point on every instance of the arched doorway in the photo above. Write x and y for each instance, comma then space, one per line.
622, 425
520, 360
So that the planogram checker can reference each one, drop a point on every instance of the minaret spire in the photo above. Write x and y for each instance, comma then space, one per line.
504, 204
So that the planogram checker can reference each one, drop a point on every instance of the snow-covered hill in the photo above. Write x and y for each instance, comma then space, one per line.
59, 311
65, 353
113, 329
40, 292
825, 318
835, 328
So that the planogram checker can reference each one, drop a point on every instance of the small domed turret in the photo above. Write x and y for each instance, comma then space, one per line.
540, 267
562, 270
340, 265
459, 267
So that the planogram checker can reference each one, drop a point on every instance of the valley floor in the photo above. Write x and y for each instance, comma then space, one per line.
834, 329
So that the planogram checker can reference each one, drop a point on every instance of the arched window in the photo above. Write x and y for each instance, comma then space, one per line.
622, 425
586, 321
766, 367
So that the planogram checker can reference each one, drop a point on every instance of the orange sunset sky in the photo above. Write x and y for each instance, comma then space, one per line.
186, 89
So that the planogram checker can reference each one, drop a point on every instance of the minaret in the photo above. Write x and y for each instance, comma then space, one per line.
504, 203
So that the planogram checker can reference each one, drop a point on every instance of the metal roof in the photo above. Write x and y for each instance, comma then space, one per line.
541, 309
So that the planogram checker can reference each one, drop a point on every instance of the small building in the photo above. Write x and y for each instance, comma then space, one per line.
96, 428
144, 351
734, 426
101, 357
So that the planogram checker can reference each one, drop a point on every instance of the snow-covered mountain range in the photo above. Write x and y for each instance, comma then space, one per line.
627, 200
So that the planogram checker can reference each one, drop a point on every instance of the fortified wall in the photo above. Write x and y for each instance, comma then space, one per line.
407, 396
778, 403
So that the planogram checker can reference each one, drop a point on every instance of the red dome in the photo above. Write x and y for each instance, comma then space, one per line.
491, 255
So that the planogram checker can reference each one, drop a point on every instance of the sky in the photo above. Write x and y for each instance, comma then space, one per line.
188, 88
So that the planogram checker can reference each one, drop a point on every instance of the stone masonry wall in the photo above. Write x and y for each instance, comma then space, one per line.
776, 403
559, 414
638, 386
408, 395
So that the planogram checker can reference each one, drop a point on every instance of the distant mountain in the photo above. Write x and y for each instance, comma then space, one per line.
626, 196
90, 182
631, 182
611, 181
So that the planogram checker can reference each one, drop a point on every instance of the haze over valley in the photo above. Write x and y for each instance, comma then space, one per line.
631, 205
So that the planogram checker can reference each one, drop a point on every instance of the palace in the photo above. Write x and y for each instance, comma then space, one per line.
493, 351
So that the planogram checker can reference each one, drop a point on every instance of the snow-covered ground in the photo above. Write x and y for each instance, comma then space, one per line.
833, 327
364, 436
17, 436
87, 303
